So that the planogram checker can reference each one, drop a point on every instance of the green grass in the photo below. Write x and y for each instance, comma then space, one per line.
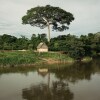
28, 57
17, 57
86, 59
56, 56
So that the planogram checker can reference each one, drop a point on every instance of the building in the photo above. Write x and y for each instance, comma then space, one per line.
42, 71
42, 47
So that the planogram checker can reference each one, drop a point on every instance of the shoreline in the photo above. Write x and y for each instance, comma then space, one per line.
48, 62
30, 58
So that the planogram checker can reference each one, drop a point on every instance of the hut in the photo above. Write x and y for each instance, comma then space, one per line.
42, 47
42, 71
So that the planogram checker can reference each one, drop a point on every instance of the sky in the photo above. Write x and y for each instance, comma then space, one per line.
86, 13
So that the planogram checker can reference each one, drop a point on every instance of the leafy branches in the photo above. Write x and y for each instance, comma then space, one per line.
45, 16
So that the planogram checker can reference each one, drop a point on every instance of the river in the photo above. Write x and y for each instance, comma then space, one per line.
78, 81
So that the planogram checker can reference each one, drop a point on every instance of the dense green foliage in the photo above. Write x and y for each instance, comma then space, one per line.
75, 47
13, 58
8, 42
17, 58
44, 16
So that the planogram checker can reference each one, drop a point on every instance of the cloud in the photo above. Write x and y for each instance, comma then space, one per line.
86, 12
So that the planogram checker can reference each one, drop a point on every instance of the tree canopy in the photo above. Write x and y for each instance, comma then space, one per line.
44, 16
75, 47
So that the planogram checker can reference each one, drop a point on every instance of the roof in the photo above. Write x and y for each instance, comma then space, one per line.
42, 45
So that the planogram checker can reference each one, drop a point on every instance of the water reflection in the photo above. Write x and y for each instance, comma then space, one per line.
20, 69
78, 71
57, 91
42, 71
54, 83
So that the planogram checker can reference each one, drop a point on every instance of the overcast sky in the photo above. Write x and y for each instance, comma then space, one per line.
86, 13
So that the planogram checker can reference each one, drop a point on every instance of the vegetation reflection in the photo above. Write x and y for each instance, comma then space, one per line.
77, 71
58, 91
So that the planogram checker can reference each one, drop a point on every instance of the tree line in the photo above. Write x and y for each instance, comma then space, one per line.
74, 46
77, 47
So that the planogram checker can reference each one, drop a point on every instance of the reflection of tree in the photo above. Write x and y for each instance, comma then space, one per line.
21, 69
61, 91
38, 92
78, 71
58, 91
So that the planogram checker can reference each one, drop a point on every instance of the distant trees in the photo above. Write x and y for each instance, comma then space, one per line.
22, 43
35, 40
76, 47
8, 42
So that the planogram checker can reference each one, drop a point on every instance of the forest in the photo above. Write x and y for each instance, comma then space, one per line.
72, 45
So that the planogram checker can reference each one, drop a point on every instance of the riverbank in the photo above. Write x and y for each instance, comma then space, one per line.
30, 58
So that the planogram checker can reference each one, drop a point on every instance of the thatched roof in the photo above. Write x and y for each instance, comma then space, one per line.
42, 45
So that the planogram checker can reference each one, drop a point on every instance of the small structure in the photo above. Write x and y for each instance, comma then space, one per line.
42, 47
42, 71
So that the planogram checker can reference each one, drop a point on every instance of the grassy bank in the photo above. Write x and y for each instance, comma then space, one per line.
14, 58
17, 58
86, 59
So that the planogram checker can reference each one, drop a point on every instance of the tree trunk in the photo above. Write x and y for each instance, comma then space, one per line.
48, 80
48, 33
48, 25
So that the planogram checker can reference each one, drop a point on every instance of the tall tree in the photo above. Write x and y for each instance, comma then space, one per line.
45, 16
